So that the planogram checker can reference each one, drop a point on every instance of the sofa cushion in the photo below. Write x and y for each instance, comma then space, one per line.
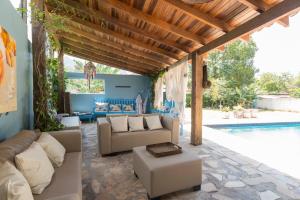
126, 141
35, 165
119, 124
55, 151
13, 185
15, 145
153, 122
136, 123
66, 182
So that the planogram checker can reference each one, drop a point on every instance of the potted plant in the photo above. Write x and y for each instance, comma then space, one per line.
226, 112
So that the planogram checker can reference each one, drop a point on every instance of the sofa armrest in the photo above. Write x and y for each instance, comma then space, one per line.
104, 136
172, 123
70, 139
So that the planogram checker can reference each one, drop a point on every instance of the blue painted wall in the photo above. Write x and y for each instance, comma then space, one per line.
85, 102
22, 119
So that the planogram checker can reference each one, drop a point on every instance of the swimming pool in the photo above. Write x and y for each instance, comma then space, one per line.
279, 133
275, 144
262, 128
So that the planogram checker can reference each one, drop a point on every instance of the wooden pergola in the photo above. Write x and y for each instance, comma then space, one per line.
147, 36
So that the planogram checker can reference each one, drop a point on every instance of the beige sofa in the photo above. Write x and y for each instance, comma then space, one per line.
116, 142
66, 181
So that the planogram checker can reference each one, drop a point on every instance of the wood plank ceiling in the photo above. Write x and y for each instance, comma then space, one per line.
146, 36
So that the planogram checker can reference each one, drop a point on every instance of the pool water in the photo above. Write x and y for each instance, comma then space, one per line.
287, 134
277, 144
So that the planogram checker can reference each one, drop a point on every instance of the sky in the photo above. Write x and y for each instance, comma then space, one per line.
278, 47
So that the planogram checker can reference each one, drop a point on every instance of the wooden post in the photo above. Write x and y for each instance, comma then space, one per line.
61, 84
40, 103
197, 93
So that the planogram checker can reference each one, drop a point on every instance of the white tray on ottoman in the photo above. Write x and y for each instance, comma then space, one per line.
167, 174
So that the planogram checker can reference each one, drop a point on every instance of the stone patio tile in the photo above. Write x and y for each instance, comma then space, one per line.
250, 170
268, 195
229, 161
221, 197
217, 176
208, 187
234, 184
212, 163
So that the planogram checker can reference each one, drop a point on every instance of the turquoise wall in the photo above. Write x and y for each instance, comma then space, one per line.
22, 119
85, 102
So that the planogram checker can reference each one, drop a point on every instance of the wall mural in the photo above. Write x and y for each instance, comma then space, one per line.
8, 83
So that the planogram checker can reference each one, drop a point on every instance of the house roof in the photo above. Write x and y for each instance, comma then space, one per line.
147, 36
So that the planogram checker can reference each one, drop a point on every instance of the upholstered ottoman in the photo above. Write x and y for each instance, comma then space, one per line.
167, 174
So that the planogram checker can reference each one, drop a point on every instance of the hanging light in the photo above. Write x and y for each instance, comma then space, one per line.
89, 72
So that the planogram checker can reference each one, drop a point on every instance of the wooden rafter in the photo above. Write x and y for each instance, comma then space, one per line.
279, 11
260, 6
129, 64
203, 17
114, 47
101, 61
94, 37
105, 31
107, 53
155, 21
103, 16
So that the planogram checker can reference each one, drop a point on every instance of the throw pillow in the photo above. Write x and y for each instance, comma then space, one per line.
115, 107
36, 167
153, 122
101, 107
119, 124
136, 123
13, 185
128, 108
55, 151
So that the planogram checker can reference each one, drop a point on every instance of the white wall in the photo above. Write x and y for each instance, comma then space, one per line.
273, 102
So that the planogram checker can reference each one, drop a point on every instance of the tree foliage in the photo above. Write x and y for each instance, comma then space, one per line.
232, 74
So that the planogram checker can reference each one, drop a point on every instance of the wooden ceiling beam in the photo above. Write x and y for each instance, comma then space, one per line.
110, 63
155, 21
96, 39
102, 47
201, 16
278, 11
260, 6
111, 54
101, 15
120, 36
106, 57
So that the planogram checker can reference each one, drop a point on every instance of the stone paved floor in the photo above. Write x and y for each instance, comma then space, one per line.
226, 175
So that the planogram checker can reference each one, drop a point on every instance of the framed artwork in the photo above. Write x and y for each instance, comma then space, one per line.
8, 67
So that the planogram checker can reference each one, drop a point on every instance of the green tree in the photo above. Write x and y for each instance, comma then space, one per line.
272, 83
233, 75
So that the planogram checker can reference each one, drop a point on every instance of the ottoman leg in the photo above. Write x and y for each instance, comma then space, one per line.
197, 188
154, 198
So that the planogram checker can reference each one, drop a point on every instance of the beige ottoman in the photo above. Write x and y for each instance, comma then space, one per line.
167, 174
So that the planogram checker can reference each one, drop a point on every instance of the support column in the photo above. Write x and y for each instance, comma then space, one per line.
197, 97
61, 84
40, 104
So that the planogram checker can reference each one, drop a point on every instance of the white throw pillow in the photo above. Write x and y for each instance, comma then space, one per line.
55, 151
13, 185
34, 164
153, 122
119, 124
136, 123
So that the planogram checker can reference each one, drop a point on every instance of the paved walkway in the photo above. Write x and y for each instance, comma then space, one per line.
227, 175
